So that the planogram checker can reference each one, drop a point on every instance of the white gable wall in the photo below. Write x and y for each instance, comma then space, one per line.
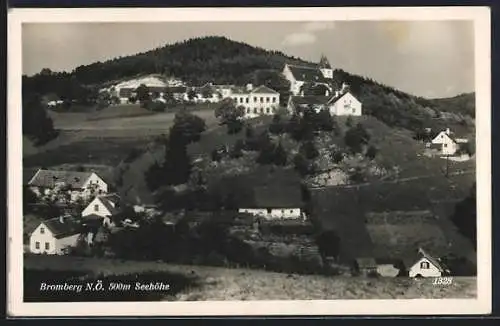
417, 269
94, 180
346, 105
448, 146
42, 235
96, 207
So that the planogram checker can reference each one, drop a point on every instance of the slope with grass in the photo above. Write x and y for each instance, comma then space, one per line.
212, 283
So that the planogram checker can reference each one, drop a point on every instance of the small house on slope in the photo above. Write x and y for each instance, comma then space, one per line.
74, 183
274, 202
102, 208
447, 143
54, 236
425, 265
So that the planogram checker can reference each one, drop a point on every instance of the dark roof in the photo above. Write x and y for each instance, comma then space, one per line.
263, 89
93, 217
28, 175
307, 74
65, 229
49, 178
276, 197
310, 100
176, 89
108, 202
323, 63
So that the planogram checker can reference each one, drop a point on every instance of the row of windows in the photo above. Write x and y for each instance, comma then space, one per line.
261, 110
247, 99
47, 245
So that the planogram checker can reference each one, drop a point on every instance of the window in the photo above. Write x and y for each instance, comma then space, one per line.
424, 265
42, 230
47, 246
248, 110
269, 211
445, 145
261, 100
254, 110
246, 100
96, 208
267, 99
255, 99
274, 99
291, 211
37, 245
241, 99
261, 110
353, 110
268, 110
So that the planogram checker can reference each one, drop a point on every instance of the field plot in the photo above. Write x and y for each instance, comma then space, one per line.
213, 283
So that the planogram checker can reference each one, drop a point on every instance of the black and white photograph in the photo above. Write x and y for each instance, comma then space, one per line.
242, 161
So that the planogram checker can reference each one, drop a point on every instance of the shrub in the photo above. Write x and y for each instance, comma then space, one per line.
371, 152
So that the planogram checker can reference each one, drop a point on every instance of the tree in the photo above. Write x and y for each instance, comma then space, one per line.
191, 94
465, 216
326, 122
187, 126
280, 156
348, 122
143, 93
301, 164
294, 127
337, 156
29, 198
37, 124
216, 155
277, 126
328, 244
308, 149
237, 149
356, 138
371, 152
230, 115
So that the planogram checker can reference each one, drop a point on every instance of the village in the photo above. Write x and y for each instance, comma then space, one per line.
272, 223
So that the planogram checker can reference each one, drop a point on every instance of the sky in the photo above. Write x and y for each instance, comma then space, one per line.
425, 58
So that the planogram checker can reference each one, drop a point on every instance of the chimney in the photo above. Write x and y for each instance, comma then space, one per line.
448, 131
249, 87
61, 219
345, 86
337, 93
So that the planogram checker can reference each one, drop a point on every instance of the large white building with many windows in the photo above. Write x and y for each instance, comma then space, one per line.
261, 100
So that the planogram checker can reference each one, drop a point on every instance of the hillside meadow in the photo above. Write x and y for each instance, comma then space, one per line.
199, 283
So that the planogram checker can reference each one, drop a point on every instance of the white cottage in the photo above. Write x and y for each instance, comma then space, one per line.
299, 75
342, 103
53, 236
275, 203
102, 208
73, 183
426, 266
446, 143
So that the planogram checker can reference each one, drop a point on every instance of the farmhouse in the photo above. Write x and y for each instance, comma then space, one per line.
54, 236
272, 202
425, 266
102, 208
446, 143
342, 103
322, 74
72, 183
256, 101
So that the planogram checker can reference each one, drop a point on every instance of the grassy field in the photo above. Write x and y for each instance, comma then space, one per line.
241, 284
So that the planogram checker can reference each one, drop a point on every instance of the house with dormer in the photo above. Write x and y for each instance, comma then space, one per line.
298, 76
341, 103
73, 184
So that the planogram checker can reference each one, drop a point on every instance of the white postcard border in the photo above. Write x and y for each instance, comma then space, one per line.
480, 305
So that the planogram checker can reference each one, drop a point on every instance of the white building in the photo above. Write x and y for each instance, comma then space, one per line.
257, 101
299, 75
342, 103
426, 266
446, 143
74, 184
273, 203
53, 236
102, 208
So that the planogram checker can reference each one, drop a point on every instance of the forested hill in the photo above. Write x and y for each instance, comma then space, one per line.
220, 60
197, 60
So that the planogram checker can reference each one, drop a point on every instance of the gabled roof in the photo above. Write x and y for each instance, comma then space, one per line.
49, 178
323, 63
276, 197
263, 89
302, 73
421, 253
65, 229
108, 201
28, 175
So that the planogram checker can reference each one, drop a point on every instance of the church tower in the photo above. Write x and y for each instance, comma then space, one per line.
325, 67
